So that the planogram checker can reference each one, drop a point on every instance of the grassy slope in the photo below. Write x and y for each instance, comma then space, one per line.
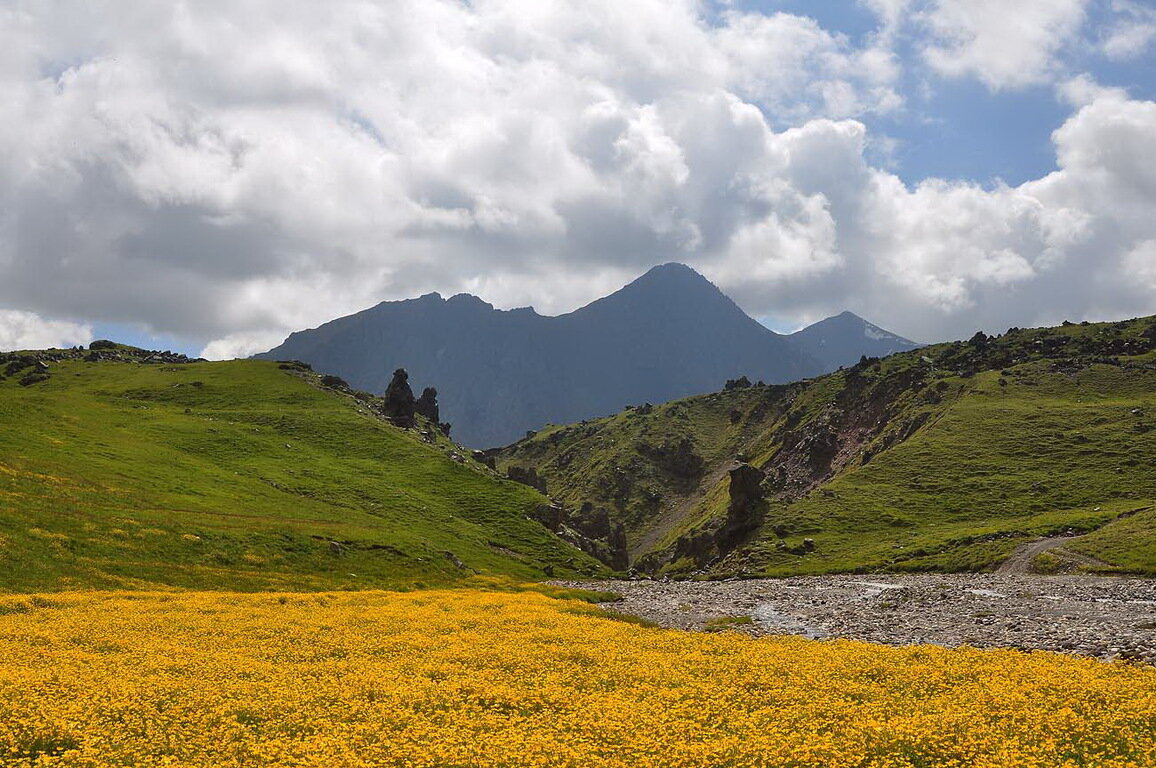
1128, 543
601, 460
1041, 455
1055, 446
237, 475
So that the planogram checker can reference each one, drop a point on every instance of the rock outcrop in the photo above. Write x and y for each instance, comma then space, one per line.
528, 477
589, 529
745, 513
427, 405
746, 507
399, 403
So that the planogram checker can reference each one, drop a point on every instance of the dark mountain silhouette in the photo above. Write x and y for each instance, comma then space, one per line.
499, 373
841, 340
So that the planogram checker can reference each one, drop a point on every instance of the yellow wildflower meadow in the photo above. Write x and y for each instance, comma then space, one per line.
480, 678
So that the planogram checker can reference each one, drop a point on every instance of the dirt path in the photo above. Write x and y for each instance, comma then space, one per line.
1105, 617
676, 514
1021, 559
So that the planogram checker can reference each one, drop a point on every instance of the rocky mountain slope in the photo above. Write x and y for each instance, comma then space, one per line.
668, 334
946, 458
126, 468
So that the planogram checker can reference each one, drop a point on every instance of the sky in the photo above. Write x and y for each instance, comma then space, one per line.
209, 176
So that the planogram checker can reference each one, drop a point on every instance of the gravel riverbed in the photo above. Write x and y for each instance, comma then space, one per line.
1108, 618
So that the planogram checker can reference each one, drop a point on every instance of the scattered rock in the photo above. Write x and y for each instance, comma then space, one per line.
1105, 617
679, 458
590, 529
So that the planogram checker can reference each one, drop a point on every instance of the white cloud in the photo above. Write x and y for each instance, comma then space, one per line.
1006, 45
241, 345
891, 13
1131, 32
1083, 89
234, 171
265, 165
1141, 262
25, 330
797, 69
1068, 245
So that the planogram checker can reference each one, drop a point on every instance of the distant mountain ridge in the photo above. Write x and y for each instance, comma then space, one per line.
499, 373
842, 339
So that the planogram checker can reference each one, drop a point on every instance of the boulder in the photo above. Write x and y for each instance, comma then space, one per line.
427, 405
334, 382
400, 405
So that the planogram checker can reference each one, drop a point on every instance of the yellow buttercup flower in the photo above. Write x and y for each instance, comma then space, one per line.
479, 678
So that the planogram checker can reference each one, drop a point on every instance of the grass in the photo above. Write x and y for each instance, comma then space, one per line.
725, 623
618, 460
1128, 543
241, 475
946, 458
1046, 562
1001, 465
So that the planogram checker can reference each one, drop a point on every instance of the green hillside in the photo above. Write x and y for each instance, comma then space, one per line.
944, 458
239, 475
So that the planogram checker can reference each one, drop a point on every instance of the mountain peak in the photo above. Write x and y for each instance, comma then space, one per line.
672, 267
672, 273
673, 280
468, 300
670, 291
842, 338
